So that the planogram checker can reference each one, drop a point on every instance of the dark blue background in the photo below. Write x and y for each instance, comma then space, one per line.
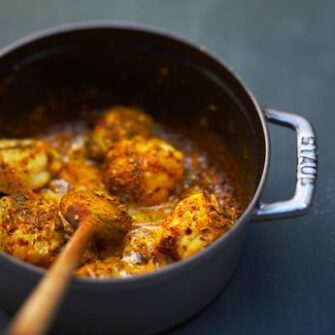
285, 52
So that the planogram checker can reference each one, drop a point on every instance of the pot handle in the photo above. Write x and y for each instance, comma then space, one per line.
307, 168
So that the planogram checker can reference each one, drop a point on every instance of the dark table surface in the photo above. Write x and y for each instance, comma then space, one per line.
285, 52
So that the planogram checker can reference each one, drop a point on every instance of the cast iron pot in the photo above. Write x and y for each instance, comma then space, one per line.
60, 71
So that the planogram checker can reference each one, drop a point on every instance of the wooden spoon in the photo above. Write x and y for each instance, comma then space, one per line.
94, 213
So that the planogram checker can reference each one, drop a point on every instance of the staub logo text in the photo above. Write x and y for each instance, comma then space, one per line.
307, 167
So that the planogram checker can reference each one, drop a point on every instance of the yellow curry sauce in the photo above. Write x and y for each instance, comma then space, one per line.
191, 201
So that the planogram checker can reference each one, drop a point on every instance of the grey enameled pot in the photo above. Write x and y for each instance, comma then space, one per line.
99, 64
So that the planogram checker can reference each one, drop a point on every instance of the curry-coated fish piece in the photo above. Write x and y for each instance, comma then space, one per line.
195, 222
113, 267
31, 228
118, 123
143, 171
141, 246
26, 164
77, 175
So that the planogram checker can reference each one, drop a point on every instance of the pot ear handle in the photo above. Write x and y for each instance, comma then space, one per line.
307, 168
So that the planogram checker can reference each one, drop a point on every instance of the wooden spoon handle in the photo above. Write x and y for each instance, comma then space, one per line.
36, 314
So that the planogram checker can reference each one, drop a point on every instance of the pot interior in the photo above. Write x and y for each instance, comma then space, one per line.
66, 75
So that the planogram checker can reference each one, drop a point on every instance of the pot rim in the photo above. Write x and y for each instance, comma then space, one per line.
243, 219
